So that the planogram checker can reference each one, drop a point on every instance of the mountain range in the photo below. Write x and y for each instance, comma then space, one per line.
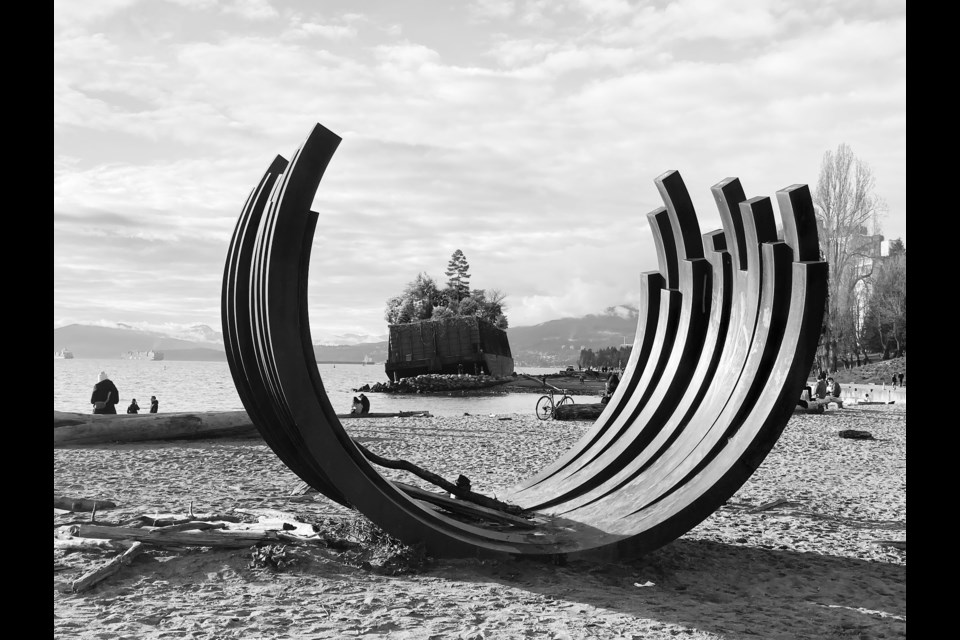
555, 342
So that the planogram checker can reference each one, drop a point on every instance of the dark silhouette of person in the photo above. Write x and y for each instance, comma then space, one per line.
356, 406
154, 404
134, 407
900, 375
364, 404
105, 395
610, 386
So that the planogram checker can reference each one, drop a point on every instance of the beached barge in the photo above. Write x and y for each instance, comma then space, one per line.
452, 345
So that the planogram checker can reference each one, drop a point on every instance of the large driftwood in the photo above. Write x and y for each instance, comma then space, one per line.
78, 428
98, 575
81, 504
578, 411
82, 428
86, 544
220, 538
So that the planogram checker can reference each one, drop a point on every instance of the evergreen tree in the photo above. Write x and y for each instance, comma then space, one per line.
458, 277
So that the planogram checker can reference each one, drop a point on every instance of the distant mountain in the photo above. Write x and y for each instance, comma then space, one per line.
86, 341
555, 342
558, 342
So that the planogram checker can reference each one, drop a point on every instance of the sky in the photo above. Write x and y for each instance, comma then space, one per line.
527, 134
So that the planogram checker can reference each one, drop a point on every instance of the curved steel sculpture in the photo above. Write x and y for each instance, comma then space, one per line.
725, 340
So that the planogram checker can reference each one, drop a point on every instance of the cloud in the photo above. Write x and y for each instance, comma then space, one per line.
527, 134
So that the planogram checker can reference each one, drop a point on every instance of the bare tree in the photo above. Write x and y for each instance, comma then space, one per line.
845, 203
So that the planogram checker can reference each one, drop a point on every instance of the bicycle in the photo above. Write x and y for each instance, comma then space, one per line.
547, 407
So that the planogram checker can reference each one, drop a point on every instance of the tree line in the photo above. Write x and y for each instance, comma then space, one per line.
609, 357
866, 310
422, 299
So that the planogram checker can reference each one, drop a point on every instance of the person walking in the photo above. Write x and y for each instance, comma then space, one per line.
105, 395
154, 404
900, 376
134, 407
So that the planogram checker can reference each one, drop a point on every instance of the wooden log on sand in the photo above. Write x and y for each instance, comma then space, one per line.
80, 428
578, 411
83, 428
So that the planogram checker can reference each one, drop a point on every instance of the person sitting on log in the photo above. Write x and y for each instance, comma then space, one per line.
833, 393
364, 404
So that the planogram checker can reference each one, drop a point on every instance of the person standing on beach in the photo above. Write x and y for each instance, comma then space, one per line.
900, 375
134, 407
105, 395
154, 405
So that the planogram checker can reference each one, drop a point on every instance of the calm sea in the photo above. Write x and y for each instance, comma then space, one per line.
208, 386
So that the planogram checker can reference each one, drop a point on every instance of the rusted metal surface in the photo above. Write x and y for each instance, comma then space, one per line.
725, 339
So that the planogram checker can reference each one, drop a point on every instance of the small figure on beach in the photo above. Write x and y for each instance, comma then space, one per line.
610, 386
833, 393
134, 407
154, 404
900, 376
356, 407
364, 404
821, 391
105, 395
894, 379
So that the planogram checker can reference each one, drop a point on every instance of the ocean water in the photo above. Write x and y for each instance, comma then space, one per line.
208, 386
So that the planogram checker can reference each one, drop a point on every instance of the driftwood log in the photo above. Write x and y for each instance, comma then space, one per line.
82, 428
578, 411
81, 504
91, 578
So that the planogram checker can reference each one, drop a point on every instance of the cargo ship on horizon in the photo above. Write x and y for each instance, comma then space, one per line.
142, 355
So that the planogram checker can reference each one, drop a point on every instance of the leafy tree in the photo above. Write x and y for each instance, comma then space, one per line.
417, 302
458, 277
423, 300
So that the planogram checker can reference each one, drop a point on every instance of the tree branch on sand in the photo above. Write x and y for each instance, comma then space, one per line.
461, 489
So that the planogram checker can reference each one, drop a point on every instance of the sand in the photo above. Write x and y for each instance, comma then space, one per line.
813, 566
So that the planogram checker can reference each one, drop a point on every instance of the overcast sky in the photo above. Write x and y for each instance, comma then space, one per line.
526, 134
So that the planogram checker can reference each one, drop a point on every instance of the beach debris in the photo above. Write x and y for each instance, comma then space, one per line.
90, 544
167, 520
645, 584
464, 508
897, 544
768, 505
302, 489
856, 434
91, 578
272, 556
81, 504
429, 476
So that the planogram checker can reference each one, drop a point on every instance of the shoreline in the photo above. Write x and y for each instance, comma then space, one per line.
794, 553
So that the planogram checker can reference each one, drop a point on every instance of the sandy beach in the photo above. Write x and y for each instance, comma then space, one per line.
802, 550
